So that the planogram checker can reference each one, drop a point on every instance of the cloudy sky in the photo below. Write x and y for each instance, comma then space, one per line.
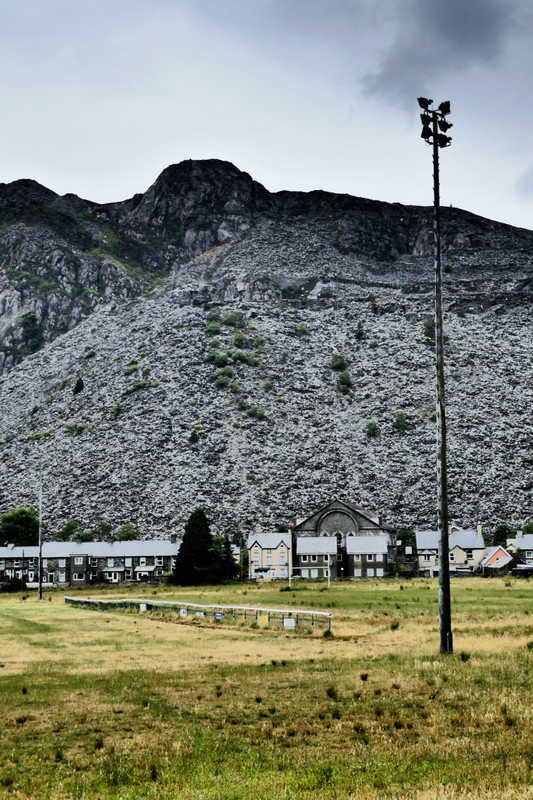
99, 96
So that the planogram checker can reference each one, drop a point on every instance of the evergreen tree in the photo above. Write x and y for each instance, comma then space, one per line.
195, 559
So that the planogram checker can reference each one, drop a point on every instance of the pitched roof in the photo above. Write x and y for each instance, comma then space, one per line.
316, 545
149, 547
366, 545
269, 540
465, 539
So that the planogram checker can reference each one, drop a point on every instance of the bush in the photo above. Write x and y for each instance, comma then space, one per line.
193, 438
67, 532
429, 330
345, 380
239, 340
256, 412
360, 331
337, 362
400, 422
213, 315
79, 386
259, 342
127, 533
235, 319
212, 328
217, 357
301, 329
372, 429
221, 381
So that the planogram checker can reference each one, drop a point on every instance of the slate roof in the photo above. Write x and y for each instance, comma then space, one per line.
465, 539
151, 547
316, 545
366, 545
272, 540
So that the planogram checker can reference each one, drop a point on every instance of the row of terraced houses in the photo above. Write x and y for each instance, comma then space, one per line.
340, 540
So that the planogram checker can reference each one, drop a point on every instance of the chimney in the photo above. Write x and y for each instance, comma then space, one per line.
479, 528
449, 528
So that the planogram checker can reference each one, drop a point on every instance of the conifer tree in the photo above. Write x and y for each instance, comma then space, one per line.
194, 562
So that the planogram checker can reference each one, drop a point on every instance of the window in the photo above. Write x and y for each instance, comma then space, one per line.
283, 573
256, 548
379, 556
159, 572
452, 556
62, 562
31, 577
269, 561
370, 573
469, 555
379, 572
282, 548
94, 562
357, 557
272, 573
314, 558
127, 562
93, 576
45, 563
78, 560
304, 559
426, 557
408, 550
282, 560
128, 574
529, 553
314, 573
304, 573
326, 558
357, 573
110, 562
62, 577
269, 551
159, 561
142, 561
256, 562
370, 557
78, 576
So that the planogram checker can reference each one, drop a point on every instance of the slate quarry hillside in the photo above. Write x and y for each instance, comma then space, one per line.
202, 317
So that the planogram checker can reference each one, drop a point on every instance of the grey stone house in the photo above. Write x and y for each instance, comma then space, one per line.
348, 540
82, 563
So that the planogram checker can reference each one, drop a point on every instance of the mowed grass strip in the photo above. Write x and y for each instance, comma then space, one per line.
186, 711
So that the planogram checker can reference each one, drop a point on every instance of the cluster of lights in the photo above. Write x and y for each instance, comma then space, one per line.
432, 118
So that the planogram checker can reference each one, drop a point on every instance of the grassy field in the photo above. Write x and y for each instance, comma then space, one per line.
121, 705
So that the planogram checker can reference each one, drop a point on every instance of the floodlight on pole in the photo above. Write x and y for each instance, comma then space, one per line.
434, 120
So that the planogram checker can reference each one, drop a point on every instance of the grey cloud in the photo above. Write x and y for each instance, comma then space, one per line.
432, 38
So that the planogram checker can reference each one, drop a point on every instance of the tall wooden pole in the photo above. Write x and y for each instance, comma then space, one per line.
445, 622
40, 576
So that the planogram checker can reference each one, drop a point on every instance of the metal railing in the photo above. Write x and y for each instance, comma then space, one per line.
286, 618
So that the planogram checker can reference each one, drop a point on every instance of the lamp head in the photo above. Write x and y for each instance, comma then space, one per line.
427, 133
424, 103
444, 126
445, 108
444, 141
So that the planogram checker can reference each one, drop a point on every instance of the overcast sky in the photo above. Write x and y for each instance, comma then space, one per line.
99, 96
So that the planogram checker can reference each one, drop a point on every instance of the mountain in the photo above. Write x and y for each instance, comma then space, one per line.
202, 317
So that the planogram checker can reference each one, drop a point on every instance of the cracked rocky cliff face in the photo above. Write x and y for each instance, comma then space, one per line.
202, 317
